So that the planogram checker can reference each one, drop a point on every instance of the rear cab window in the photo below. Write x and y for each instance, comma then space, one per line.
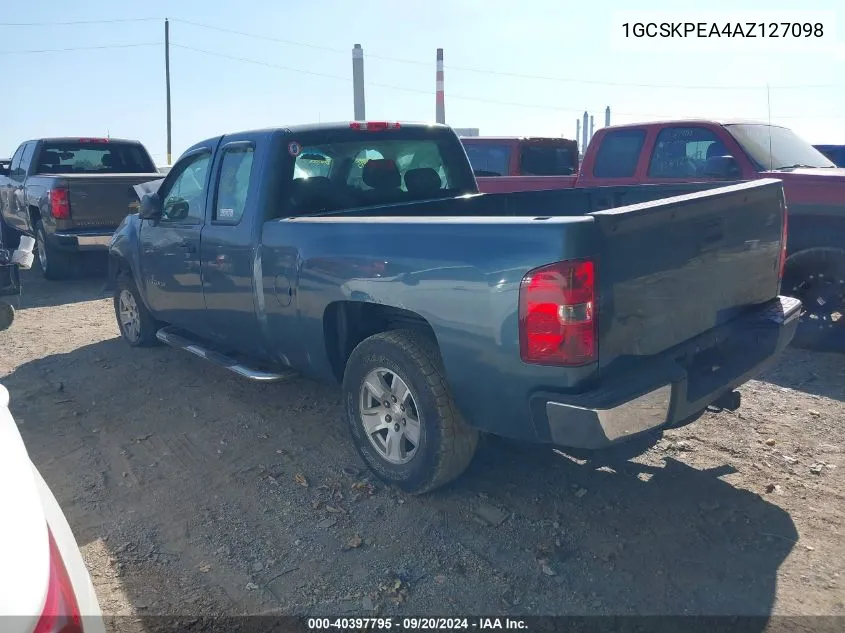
348, 169
97, 156
618, 154
489, 160
548, 160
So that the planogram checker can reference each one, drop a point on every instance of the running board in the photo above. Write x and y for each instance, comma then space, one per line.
170, 337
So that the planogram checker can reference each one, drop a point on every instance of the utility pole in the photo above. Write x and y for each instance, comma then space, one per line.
167, 78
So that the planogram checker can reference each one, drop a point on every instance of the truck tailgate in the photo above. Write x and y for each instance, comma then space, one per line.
102, 200
677, 267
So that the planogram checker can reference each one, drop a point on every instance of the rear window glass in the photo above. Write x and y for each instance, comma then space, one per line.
538, 160
372, 171
69, 157
618, 154
488, 160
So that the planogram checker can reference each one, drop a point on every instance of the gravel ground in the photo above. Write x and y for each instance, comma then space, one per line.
192, 491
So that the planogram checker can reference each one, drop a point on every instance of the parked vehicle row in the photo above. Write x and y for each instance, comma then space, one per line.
362, 254
713, 151
70, 194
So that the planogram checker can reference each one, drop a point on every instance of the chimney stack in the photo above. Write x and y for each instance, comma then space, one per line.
607, 116
578, 130
585, 128
440, 105
358, 82
592, 127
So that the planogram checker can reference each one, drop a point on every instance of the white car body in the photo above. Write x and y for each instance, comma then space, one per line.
39, 581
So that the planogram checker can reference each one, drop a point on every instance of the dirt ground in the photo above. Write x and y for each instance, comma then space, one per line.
193, 491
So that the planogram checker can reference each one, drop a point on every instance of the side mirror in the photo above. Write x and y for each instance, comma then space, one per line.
150, 207
721, 167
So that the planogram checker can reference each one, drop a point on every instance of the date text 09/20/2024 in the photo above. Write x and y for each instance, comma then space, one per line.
420, 624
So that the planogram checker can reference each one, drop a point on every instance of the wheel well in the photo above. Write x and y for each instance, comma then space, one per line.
347, 323
34, 216
812, 231
117, 266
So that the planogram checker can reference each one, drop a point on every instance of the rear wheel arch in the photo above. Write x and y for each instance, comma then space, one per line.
34, 216
347, 323
812, 231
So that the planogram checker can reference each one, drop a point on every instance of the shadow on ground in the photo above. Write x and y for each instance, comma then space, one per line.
817, 373
85, 283
212, 494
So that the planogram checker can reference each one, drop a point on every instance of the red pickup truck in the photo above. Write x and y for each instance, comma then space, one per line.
502, 164
708, 150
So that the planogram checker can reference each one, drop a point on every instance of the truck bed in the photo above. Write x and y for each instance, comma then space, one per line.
667, 257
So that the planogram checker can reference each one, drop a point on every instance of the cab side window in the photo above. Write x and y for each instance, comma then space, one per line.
683, 152
183, 202
233, 184
14, 167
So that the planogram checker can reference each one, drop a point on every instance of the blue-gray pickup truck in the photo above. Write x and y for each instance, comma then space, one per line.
361, 253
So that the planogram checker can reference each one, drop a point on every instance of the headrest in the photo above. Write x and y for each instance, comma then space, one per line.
717, 149
422, 180
676, 150
50, 158
107, 160
381, 173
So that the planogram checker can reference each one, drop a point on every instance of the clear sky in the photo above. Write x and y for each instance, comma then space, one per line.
293, 65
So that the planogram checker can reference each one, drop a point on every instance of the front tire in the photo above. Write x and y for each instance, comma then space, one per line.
9, 238
7, 315
137, 326
401, 414
54, 263
816, 276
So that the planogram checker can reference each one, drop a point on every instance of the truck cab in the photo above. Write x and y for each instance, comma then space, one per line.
503, 164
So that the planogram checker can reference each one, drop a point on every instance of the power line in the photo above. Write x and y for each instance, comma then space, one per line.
429, 92
75, 22
487, 71
79, 48
484, 71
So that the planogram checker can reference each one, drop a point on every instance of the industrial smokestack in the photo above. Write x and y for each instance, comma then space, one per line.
358, 82
607, 116
585, 128
440, 110
577, 130
592, 127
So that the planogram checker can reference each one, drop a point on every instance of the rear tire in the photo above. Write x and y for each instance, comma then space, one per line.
54, 264
419, 441
816, 276
137, 326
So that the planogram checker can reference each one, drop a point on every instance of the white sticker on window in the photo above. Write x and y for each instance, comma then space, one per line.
227, 213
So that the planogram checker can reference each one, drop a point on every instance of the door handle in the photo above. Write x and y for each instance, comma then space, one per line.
187, 246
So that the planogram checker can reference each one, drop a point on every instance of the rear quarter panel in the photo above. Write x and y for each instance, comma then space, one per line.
460, 274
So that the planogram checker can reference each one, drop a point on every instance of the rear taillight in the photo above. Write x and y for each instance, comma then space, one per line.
61, 610
59, 203
557, 314
784, 233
